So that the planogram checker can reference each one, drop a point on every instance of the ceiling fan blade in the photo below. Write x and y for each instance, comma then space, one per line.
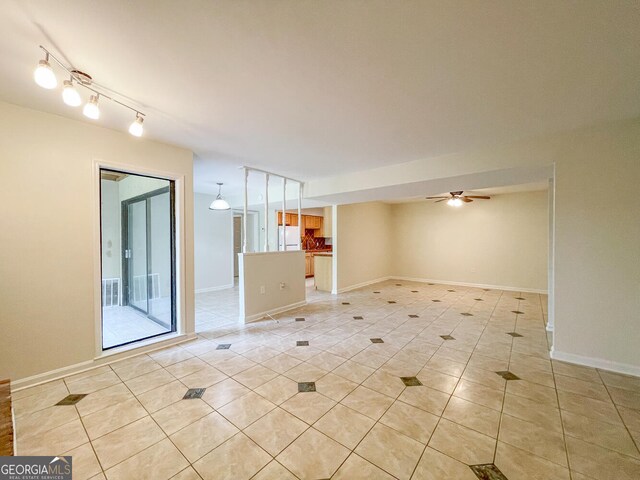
466, 199
431, 198
478, 196
438, 201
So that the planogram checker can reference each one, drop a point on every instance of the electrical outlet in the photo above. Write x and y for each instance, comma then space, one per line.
282, 285
262, 290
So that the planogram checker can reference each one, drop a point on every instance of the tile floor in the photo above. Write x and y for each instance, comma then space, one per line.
556, 421
125, 324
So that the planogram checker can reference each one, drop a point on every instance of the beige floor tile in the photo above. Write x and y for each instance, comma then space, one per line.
202, 436
354, 371
433, 401
104, 398
533, 391
180, 414
474, 416
533, 438
390, 450
313, 455
326, 361
255, 376
111, 418
308, 406
187, 474
224, 392
37, 423
620, 380
305, 372
125, 442
274, 471
625, 398
484, 377
344, 425
357, 468
234, 365
163, 396
93, 383
276, 430
368, 402
149, 381
335, 386
545, 415
245, 410
100, 476
158, 462
576, 371
436, 466
186, 367
203, 378
281, 363
170, 356
630, 417
239, 458
44, 398
604, 411
518, 464
445, 365
278, 390
437, 380
600, 463
477, 393
85, 463
385, 383
57, 386
53, 442
134, 367
410, 421
588, 389
462, 443
607, 435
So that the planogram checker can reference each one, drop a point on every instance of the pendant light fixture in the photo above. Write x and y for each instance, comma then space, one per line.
219, 203
70, 95
45, 77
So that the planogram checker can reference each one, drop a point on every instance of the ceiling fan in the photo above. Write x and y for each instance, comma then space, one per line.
457, 199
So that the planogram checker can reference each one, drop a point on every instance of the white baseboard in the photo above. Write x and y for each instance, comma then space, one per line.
600, 363
81, 367
214, 289
466, 284
363, 284
273, 311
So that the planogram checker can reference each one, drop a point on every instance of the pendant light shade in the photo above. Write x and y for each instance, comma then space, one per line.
219, 203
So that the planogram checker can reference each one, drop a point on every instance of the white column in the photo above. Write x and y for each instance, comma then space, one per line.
552, 254
266, 212
300, 215
244, 213
284, 210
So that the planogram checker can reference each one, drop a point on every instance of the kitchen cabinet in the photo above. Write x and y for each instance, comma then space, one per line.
291, 219
323, 271
308, 265
312, 222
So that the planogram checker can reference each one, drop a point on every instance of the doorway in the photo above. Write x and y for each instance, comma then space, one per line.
138, 257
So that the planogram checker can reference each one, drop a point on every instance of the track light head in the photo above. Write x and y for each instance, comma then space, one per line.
44, 75
135, 128
70, 95
91, 109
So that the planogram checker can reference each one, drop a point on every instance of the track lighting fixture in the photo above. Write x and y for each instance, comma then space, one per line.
46, 78
91, 109
44, 75
219, 203
135, 128
70, 95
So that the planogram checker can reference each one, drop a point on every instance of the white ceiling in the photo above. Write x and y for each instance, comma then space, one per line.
310, 89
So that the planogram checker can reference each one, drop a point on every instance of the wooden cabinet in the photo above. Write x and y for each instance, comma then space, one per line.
291, 219
308, 265
312, 222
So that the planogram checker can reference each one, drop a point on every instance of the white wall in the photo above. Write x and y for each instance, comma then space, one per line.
268, 271
597, 227
362, 244
213, 245
48, 239
502, 242
111, 234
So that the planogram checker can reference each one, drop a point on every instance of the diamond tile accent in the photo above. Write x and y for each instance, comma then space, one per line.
450, 290
517, 312
478, 300
376, 292
519, 298
411, 381
414, 316
302, 343
376, 340
514, 334
488, 471
436, 301
507, 375
467, 314
447, 337
430, 283
223, 346
71, 399
300, 319
358, 317
414, 291
194, 393
306, 387
398, 284
391, 301
346, 303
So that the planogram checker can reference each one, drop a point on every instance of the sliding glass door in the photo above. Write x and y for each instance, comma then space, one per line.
138, 258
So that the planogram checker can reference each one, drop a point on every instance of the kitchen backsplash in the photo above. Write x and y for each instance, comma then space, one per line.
309, 242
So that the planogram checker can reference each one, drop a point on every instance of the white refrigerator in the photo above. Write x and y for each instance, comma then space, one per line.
289, 236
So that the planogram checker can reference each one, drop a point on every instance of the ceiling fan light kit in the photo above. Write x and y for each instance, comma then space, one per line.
457, 199
45, 77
